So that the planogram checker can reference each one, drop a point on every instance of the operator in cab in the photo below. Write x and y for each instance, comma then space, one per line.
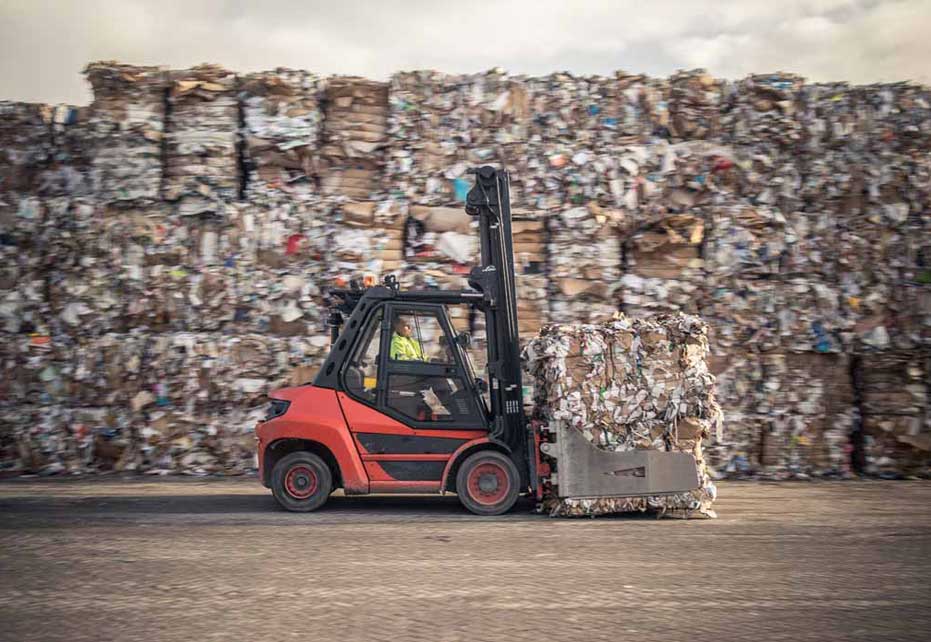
404, 347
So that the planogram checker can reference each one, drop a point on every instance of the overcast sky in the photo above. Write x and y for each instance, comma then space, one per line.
45, 44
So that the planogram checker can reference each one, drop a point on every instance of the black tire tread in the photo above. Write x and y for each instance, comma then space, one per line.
324, 482
461, 486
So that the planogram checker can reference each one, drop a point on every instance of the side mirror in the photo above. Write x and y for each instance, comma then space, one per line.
464, 339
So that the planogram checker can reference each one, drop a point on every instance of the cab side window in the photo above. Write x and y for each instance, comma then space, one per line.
361, 375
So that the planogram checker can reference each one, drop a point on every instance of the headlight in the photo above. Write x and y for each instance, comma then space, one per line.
276, 408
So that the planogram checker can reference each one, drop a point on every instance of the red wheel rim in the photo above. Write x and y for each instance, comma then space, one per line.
301, 481
488, 483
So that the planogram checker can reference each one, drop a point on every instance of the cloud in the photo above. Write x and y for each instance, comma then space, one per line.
44, 44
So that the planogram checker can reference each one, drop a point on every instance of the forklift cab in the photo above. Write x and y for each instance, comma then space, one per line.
396, 408
408, 364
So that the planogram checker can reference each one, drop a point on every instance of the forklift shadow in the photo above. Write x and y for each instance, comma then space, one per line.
427, 505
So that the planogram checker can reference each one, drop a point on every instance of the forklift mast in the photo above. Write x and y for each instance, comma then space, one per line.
489, 201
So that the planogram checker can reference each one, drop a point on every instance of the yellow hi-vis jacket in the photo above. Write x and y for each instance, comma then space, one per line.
405, 348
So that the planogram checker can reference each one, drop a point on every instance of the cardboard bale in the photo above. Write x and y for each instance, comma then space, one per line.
126, 128
69, 169
282, 127
440, 125
584, 265
201, 162
894, 403
664, 268
354, 136
695, 99
25, 148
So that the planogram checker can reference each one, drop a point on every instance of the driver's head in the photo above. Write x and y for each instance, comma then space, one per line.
402, 326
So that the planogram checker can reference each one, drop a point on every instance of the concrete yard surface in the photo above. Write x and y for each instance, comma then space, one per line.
184, 559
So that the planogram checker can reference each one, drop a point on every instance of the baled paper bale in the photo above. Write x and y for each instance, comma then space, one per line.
627, 385
354, 136
201, 162
25, 146
281, 117
126, 128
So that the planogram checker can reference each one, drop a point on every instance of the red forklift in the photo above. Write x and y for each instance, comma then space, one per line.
397, 406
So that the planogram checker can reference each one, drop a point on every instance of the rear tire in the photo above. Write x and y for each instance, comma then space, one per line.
488, 483
302, 482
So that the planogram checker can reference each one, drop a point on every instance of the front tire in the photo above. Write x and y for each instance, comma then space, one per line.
488, 483
302, 482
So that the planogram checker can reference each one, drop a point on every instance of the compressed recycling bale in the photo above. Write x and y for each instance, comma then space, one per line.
584, 265
69, 169
126, 128
695, 100
809, 315
439, 125
875, 266
668, 249
893, 400
25, 147
787, 414
746, 241
365, 238
811, 240
572, 139
354, 136
739, 390
201, 163
912, 302
30, 253
625, 385
812, 411
282, 122
765, 108
741, 315
664, 267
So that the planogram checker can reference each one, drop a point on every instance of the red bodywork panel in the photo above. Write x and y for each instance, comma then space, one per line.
399, 445
314, 414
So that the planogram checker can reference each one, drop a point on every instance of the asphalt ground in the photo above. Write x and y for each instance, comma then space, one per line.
186, 559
